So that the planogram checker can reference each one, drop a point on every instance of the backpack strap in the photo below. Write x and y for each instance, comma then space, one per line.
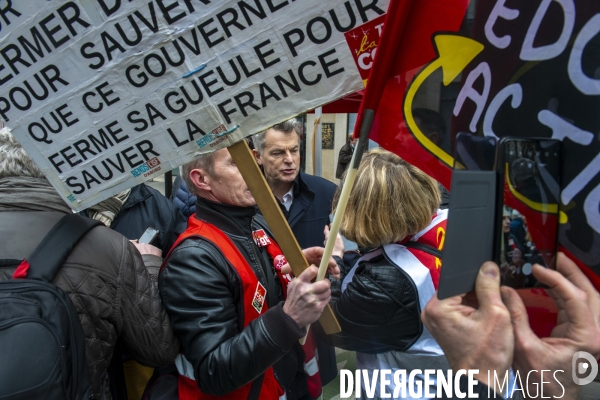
254, 393
49, 256
423, 247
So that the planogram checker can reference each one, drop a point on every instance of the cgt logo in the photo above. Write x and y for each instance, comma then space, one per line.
583, 363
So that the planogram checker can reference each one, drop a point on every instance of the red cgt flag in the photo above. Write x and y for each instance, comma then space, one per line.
405, 47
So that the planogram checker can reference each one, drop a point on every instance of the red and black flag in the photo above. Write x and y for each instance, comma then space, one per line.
497, 69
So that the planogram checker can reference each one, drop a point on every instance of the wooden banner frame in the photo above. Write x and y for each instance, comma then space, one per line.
244, 159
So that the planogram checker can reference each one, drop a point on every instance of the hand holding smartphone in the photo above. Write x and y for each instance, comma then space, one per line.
508, 213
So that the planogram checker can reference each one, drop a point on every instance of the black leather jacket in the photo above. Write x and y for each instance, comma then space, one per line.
202, 294
379, 310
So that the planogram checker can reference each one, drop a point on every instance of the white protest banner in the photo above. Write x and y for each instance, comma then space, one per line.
105, 94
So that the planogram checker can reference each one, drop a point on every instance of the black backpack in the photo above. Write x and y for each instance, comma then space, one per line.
42, 348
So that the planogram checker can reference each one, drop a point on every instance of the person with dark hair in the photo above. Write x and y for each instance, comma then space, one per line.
345, 156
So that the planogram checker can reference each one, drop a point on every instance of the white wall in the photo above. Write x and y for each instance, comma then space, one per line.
328, 157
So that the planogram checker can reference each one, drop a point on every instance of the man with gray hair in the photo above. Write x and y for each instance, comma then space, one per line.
239, 318
104, 275
304, 199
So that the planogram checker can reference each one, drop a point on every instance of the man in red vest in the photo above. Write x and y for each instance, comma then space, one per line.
239, 318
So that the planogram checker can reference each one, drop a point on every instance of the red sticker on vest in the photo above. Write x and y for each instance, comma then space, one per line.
260, 238
259, 297
279, 262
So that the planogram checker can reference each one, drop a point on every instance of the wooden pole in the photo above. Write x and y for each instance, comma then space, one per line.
361, 147
244, 159
314, 140
318, 144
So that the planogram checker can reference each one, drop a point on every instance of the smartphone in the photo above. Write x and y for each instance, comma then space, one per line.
149, 235
527, 210
474, 153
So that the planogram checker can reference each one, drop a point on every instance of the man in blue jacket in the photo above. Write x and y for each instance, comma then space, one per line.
305, 201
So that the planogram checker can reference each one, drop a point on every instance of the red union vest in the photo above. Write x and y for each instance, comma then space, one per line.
311, 359
254, 298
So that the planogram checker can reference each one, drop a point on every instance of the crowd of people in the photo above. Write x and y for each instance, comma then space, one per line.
211, 308
518, 252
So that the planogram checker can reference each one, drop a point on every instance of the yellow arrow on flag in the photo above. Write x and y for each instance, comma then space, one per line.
454, 54
539, 207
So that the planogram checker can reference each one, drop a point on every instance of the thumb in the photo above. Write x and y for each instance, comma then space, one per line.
286, 269
518, 316
487, 286
308, 274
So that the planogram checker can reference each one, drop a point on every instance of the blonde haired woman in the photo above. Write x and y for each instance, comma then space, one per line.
393, 209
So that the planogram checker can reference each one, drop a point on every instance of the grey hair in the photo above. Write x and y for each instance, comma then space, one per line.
287, 127
14, 160
205, 162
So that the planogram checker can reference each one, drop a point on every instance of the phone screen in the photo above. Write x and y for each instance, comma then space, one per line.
149, 235
528, 210
474, 153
